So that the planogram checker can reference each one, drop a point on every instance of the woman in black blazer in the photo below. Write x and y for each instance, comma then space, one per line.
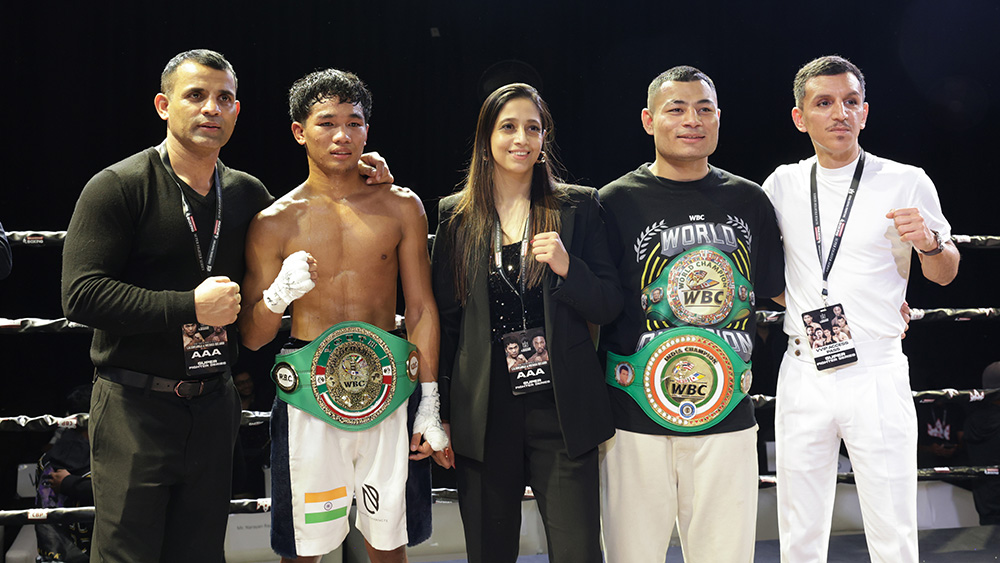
520, 267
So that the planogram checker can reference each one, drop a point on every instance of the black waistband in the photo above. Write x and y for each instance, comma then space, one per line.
296, 343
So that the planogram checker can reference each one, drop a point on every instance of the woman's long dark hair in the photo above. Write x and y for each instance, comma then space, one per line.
475, 215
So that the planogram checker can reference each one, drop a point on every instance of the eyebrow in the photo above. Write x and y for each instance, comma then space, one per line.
832, 95
203, 89
328, 115
532, 120
685, 102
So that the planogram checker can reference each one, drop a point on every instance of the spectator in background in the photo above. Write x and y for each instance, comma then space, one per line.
939, 438
982, 439
253, 447
64, 481
245, 387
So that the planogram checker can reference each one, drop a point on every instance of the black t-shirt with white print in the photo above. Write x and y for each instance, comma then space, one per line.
652, 222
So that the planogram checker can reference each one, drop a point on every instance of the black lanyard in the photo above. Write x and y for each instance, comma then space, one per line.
206, 267
498, 262
844, 214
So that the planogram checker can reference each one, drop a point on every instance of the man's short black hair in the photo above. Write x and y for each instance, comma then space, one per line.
830, 65
205, 57
682, 73
322, 85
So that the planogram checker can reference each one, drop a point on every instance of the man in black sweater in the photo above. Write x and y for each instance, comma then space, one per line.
164, 415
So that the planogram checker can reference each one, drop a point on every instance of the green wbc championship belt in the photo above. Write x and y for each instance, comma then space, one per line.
687, 379
352, 376
701, 287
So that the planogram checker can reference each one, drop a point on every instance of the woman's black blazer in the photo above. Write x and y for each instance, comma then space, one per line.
590, 293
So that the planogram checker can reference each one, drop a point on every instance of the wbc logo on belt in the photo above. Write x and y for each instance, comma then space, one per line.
701, 288
689, 380
354, 375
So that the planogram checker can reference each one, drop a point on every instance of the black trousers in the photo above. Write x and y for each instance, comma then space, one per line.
524, 446
162, 472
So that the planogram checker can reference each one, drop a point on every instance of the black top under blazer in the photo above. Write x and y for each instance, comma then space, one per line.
590, 292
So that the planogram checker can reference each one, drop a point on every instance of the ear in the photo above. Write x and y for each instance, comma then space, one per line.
647, 120
299, 133
161, 102
236, 109
797, 119
864, 117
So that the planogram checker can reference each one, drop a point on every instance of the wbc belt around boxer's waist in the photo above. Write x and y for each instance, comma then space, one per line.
686, 379
352, 376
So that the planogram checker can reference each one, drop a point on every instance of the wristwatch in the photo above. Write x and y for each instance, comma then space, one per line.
935, 251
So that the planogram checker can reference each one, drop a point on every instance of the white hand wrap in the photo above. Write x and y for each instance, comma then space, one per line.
293, 281
428, 419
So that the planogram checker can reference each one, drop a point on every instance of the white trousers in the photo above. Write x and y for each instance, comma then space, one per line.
706, 484
870, 407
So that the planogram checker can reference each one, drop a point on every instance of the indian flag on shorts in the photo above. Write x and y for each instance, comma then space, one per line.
326, 506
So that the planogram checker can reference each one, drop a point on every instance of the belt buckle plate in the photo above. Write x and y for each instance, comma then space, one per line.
181, 389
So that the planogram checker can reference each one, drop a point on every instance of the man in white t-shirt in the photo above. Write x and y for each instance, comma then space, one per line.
871, 211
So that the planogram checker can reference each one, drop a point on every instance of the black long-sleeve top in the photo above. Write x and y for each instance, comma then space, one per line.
129, 262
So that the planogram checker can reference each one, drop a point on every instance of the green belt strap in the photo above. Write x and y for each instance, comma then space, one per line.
352, 376
687, 379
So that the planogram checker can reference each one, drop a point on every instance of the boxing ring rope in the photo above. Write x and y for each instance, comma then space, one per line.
35, 238
47, 422
86, 513
32, 324
55, 238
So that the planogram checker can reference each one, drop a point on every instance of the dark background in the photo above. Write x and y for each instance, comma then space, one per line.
79, 82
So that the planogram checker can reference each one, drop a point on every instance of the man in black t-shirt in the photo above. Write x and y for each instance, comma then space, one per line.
695, 246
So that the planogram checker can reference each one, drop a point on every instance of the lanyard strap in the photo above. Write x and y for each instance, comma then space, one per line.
844, 214
206, 267
498, 261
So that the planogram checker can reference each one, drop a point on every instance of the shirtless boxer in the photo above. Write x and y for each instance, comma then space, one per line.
336, 247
